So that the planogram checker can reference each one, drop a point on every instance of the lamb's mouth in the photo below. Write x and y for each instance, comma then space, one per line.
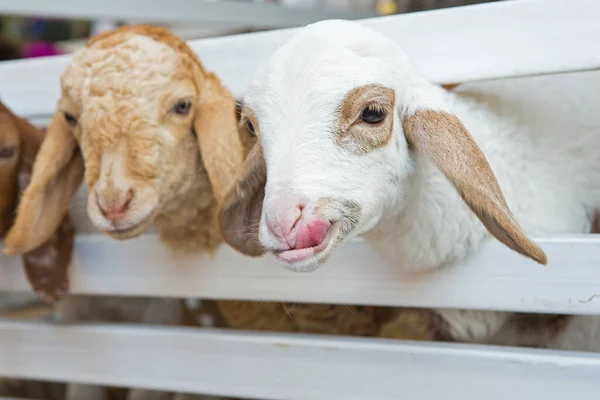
130, 231
308, 259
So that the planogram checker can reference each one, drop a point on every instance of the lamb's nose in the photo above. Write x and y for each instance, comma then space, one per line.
284, 222
114, 210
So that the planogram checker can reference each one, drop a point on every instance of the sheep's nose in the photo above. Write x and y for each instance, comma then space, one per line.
295, 228
114, 209
282, 224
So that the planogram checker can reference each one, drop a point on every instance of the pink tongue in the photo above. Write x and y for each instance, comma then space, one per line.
311, 233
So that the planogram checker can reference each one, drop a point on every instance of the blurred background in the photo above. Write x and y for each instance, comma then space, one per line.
39, 28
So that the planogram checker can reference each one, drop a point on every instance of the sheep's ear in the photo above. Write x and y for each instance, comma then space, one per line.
443, 139
47, 266
57, 173
239, 213
216, 127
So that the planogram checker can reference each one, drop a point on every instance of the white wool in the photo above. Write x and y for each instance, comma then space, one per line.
547, 163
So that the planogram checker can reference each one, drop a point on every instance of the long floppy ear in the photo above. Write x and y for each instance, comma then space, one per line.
239, 213
442, 138
216, 127
47, 266
57, 173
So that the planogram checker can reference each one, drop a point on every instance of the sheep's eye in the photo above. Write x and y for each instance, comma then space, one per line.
7, 152
372, 115
250, 128
182, 107
71, 120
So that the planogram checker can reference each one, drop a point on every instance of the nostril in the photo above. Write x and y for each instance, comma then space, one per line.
116, 210
295, 217
128, 198
99, 204
284, 223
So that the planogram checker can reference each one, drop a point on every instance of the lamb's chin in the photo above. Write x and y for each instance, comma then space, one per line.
129, 233
308, 259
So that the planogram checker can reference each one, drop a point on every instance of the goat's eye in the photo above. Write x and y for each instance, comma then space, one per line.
372, 115
7, 152
182, 107
71, 120
250, 128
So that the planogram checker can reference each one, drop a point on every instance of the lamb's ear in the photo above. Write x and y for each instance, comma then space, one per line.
47, 266
216, 127
239, 213
443, 139
57, 173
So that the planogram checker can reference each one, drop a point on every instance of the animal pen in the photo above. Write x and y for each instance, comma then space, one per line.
524, 44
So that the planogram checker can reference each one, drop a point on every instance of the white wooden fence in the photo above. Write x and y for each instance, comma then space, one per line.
499, 40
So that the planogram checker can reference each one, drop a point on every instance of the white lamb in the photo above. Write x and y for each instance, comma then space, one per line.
355, 142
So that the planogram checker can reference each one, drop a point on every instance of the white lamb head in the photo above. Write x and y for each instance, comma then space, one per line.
340, 113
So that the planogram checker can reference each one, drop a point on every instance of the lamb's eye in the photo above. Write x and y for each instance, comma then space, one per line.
182, 107
250, 128
372, 115
71, 120
7, 152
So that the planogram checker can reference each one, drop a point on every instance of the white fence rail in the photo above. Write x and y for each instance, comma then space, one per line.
499, 40
272, 366
494, 279
244, 13
487, 41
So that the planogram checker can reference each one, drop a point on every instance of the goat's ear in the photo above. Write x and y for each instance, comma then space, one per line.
57, 173
442, 138
239, 213
47, 266
216, 128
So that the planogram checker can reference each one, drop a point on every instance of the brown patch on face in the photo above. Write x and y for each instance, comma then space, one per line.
356, 135
443, 139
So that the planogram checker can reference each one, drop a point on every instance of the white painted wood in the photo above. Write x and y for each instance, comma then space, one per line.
494, 40
495, 278
291, 367
156, 11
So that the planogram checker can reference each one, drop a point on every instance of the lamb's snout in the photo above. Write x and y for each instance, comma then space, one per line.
291, 225
114, 207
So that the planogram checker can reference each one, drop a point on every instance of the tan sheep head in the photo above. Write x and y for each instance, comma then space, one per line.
141, 116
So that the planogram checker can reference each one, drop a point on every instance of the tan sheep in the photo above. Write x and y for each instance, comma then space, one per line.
156, 136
